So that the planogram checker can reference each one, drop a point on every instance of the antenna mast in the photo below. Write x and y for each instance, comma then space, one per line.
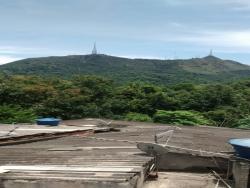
211, 52
94, 51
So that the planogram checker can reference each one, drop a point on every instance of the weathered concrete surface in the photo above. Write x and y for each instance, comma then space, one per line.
184, 180
18, 130
34, 165
241, 174
75, 160
181, 161
107, 150
73, 183
193, 137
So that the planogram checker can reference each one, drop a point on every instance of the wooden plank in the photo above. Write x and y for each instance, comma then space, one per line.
105, 179
90, 148
68, 168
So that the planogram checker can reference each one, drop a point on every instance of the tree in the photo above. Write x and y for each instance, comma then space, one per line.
16, 114
138, 117
180, 118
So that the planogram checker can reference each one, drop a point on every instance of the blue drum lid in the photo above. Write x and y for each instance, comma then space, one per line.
244, 142
48, 119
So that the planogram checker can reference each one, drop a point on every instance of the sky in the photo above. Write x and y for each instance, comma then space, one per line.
162, 29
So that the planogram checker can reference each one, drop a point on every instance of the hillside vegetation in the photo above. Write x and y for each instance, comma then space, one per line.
124, 70
23, 98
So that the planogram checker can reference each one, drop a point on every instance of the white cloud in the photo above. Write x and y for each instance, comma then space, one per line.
236, 4
240, 2
7, 59
17, 50
230, 39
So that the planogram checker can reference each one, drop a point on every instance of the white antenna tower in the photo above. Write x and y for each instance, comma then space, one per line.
211, 52
94, 51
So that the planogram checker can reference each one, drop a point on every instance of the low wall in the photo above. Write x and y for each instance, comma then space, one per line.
181, 161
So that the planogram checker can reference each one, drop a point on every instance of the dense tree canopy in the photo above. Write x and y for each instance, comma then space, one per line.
24, 98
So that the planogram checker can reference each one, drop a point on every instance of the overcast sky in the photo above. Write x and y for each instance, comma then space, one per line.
164, 29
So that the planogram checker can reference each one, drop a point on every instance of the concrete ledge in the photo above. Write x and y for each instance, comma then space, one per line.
182, 161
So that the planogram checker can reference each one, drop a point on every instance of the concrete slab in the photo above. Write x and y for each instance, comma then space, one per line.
184, 180
71, 161
22, 130
101, 157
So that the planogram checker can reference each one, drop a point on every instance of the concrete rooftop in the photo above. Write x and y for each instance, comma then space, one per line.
83, 155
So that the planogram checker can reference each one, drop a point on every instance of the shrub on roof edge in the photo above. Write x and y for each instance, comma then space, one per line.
16, 114
180, 117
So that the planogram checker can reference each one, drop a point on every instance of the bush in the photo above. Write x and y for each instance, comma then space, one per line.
138, 117
225, 116
243, 123
11, 114
180, 118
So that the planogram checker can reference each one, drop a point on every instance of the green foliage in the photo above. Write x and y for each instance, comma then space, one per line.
244, 123
124, 70
224, 116
11, 114
138, 117
224, 105
85, 96
209, 97
180, 118
141, 98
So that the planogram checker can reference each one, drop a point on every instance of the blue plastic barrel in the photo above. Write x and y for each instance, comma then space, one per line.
241, 147
48, 121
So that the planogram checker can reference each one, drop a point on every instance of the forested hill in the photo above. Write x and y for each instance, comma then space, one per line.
200, 70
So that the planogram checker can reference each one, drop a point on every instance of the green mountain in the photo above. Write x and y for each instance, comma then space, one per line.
200, 70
